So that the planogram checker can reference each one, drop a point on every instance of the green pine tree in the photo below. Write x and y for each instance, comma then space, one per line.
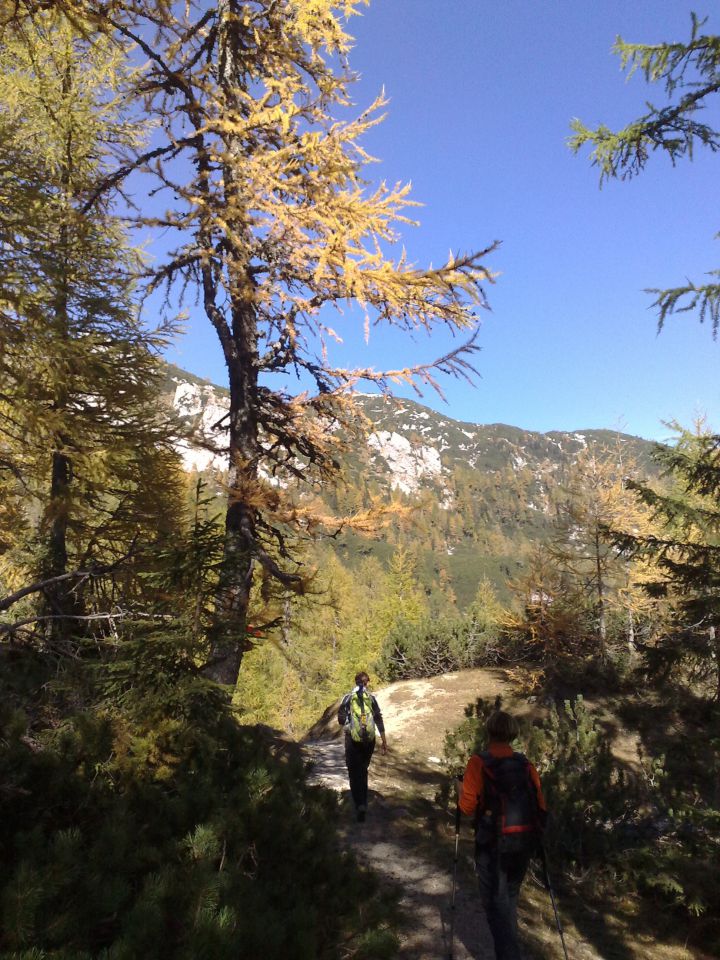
85, 443
686, 555
689, 75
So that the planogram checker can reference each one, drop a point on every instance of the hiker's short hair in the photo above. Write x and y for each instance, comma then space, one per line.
501, 726
361, 678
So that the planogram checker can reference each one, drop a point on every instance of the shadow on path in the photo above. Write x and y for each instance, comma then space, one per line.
408, 837
385, 842
388, 843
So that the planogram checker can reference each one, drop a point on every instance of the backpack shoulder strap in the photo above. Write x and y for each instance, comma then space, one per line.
489, 762
344, 709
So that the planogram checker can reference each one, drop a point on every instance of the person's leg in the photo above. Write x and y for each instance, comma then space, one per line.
499, 882
514, 867
366, 751
356, 770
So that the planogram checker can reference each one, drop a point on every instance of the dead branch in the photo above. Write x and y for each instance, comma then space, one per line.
92, 574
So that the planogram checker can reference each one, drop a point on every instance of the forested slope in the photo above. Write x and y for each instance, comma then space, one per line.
480, 497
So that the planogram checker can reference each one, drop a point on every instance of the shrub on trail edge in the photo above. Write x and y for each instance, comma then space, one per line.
434, 647
167, 830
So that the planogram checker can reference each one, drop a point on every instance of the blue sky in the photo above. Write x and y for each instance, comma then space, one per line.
481, 98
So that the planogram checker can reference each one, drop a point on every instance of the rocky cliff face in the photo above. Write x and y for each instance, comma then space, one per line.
204, 408
411, 447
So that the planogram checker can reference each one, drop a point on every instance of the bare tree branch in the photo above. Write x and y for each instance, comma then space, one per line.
91, 574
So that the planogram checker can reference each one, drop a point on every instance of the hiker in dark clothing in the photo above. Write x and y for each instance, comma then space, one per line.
360, 715
502, 791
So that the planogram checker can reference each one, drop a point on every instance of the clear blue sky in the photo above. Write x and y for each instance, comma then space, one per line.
481, 98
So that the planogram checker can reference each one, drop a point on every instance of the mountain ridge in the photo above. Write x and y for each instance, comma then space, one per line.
484, 494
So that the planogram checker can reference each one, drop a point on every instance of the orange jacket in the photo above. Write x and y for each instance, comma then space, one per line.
472, 794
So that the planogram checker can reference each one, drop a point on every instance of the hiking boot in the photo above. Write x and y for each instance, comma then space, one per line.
361, 811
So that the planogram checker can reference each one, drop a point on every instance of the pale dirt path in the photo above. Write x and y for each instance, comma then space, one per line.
417, 714
409, 840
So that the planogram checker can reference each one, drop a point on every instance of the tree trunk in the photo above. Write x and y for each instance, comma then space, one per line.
229, 640
60, 601
602, 626
239, 341
630, 631
61, 475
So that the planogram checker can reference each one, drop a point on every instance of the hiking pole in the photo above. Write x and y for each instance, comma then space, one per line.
543, 858
454, 883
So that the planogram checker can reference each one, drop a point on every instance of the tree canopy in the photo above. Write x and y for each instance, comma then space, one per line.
82, 453
689, 75
278, 229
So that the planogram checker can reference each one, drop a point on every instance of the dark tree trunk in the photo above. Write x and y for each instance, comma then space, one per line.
61, 599
59, 491
229, 638
239, 340
602, 625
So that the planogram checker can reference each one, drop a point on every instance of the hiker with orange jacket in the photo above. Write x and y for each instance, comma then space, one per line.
502, 791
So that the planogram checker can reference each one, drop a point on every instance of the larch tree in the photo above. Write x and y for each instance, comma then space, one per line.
685, 554
598, 502
689, 74
544, 617
263, 180
402, 603
80, 445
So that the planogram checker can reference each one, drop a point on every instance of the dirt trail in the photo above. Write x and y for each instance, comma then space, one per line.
408, 838
402, 810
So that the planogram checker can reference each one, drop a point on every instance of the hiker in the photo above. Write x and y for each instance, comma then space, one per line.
360, 715
502, 791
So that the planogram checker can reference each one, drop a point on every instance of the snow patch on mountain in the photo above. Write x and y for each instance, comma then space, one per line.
408, 463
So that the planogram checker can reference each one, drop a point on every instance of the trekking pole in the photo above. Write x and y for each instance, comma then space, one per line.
454, 883
543, 858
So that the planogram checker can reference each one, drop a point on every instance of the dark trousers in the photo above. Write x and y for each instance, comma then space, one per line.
499, 879
357, 758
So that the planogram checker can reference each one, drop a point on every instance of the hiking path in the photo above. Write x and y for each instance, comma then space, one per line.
408, 838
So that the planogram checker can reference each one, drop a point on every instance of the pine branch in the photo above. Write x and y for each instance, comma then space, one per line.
705, 299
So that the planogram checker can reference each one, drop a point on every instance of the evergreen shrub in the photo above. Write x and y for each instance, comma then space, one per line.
152, 824
433, 647
609, 831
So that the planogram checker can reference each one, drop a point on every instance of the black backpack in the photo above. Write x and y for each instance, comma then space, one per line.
511, 815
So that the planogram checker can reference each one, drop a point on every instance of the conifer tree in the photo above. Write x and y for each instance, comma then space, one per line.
263, 180
79, 381
686, 553
689, 74
598, 501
